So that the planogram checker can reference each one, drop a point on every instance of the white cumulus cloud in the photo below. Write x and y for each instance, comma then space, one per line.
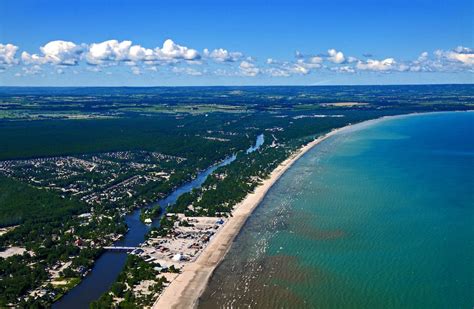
300, 68
343, 69
351, 59
173, 51
138, 53
111, 50
461, 54
423, 57
7, 54
56, 52
336, 56
277, 72
315, 60
175, 58
223, 55
377, 65
124, 51
249, 69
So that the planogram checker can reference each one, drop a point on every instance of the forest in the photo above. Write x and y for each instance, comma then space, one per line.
62, 235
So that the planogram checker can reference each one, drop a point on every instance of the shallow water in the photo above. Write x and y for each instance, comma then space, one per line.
379, 216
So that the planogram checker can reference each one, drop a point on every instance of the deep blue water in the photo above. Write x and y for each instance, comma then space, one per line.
379, 216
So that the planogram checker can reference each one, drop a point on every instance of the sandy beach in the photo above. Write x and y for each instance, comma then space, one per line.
185, 290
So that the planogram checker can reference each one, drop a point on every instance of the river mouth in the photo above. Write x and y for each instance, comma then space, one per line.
108, 266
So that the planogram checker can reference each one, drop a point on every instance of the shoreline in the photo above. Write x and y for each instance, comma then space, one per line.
187, 288
189, 285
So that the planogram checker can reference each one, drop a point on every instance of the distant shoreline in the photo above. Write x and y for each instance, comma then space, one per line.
187, 288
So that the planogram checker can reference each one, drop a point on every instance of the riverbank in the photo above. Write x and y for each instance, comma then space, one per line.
185, 290
109, 265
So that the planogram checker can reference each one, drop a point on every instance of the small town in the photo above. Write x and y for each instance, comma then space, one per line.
236, 154
111, 177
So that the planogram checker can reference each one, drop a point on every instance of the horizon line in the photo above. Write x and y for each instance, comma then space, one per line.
262, 85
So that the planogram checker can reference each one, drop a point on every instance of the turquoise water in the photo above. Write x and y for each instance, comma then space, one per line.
380, 216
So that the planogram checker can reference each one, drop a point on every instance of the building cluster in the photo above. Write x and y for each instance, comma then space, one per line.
98, 178
188, 237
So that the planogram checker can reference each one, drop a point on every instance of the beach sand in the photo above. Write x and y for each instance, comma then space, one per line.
185, 290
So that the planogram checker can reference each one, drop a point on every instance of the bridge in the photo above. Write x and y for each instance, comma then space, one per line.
119, 248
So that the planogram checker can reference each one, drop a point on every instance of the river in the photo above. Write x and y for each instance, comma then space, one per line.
109, 265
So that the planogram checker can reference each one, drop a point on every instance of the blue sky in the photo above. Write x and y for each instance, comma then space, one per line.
135, 43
